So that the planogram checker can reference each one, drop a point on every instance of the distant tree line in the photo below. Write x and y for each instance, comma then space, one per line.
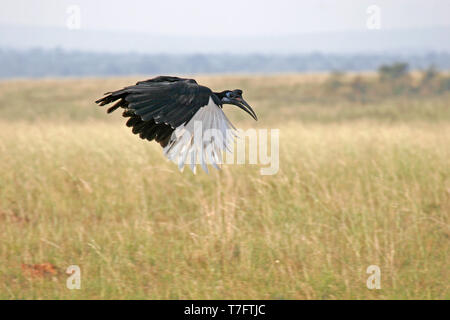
392, 80
57, 62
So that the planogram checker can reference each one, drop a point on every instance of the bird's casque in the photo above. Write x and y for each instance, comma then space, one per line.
184, 117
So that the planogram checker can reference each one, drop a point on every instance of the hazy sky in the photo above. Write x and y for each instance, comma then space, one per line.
231, 17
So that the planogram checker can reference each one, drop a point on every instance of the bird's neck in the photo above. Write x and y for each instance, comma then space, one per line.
219, 96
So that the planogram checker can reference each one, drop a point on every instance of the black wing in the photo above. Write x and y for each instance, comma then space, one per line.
157, 106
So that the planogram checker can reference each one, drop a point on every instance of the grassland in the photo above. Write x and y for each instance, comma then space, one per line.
360, 183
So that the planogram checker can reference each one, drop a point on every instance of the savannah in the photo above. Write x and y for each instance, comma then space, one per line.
364, 180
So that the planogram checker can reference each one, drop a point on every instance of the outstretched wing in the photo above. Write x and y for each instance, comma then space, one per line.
156, 107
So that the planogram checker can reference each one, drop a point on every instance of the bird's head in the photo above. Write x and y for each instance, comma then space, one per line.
235, 97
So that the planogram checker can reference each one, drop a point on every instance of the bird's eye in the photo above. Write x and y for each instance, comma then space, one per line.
229, 94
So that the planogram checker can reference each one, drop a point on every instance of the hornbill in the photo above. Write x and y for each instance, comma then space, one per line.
184, 117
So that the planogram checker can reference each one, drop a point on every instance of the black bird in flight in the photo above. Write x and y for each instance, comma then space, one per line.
184, 117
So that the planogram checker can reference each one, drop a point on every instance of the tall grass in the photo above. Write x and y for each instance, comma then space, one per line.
349, 194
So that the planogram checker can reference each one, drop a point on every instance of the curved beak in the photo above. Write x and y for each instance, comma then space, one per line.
241, 103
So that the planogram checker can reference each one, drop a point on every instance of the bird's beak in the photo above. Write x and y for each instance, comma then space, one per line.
241, 103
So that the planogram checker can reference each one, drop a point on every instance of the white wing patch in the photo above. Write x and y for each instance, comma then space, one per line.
202, 140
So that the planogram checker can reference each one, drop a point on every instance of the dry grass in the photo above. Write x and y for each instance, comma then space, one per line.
349, 194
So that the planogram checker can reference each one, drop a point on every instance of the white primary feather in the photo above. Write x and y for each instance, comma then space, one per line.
185, 147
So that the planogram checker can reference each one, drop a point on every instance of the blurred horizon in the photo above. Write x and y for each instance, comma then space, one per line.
108, 38
39, 62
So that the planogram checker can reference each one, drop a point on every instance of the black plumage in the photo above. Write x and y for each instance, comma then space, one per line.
157, 106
